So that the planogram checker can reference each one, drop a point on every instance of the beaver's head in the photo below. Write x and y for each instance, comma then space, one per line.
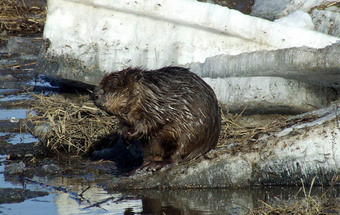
114, 92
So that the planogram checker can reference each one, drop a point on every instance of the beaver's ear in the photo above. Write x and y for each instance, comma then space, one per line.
133, 74
110, 81
137, 76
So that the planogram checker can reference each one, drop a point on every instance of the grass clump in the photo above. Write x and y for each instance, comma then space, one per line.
65, 125
307, 205
17, 18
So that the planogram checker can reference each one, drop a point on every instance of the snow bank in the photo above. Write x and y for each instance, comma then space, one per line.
105, 35
325, 13
271, 10
299, 19
327, 21
266, 95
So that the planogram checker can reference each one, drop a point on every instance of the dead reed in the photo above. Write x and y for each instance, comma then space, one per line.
235, 130
245, 132
307, 205
71, 126
312, 205
16, 18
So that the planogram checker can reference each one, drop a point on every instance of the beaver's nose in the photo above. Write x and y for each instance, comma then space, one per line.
97, 92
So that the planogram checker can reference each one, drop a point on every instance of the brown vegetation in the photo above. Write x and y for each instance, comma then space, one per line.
307, 205
17, 18
76, 124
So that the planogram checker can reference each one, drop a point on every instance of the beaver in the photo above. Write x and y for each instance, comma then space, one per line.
172, 110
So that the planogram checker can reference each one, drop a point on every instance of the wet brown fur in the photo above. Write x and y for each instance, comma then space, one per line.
173, 110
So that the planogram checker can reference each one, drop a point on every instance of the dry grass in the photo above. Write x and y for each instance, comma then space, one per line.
307, 205
245, 132
236, 130
311, 205
74, 126
16, 18
324, 5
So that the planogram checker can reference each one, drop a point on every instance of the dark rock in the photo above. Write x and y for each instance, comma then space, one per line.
15, 168
12, 195
51, 168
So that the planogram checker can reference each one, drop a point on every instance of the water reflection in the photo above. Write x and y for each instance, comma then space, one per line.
6, 114
15, 138
78, 196
67, 205
37, 206
218, 201
206, 201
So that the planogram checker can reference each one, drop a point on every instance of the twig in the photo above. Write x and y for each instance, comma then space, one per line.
22, 65
97, 204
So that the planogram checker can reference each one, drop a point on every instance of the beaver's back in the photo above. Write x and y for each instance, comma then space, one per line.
186, 110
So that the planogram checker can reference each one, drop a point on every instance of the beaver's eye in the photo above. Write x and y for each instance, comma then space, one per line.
95, 97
